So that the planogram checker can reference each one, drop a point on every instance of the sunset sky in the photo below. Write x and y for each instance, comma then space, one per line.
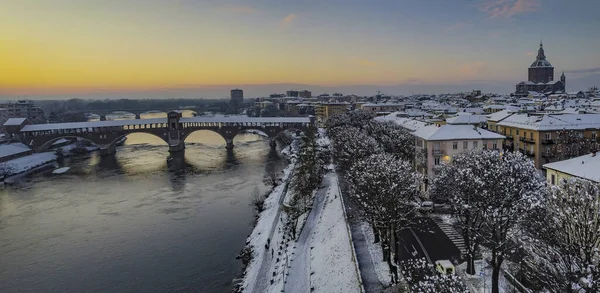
84, 46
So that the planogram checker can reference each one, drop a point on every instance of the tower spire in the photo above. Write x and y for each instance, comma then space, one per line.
541, 55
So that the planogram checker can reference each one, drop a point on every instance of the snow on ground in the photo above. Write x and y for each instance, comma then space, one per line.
481, 282
265, 237
332, 260
61, 170
323, 259
381, 267
26, 163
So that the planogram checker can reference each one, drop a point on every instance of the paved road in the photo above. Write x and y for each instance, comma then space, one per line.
435, 243
369, 276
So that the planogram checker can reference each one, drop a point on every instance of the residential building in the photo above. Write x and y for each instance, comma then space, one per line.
583, 167
326, 110
24, 109
438, 144
382, 108
466, 118
237, 97
535, 134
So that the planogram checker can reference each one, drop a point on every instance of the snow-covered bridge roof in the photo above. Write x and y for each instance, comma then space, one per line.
200, 119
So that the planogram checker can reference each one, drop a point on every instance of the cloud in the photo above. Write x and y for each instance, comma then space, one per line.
584, 70
472, 68
508, 8
238, 9
456, 26
363, 62
288, 19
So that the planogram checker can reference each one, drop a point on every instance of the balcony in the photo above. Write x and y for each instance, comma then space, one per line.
548, 141
527, 139
528, 153
437, 152
509, 136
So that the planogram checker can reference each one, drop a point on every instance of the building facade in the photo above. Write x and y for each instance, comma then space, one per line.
536, 135
23, 109
583, 167
237, 97
326, 110
541, 77
438, 144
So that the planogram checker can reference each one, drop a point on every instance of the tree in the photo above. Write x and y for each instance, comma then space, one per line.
423, 278
572, 143
512, 187
491, 193
564, 236
352, 144
459, 183
384, 186
309, 172
393, 139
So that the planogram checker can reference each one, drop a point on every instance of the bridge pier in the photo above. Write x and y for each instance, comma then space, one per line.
138, 116
229, 143
107, 150
272, 142
102, 117
177, 147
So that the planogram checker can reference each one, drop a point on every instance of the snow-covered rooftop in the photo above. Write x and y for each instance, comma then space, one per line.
499, 116
451, 132
12, 149
407, 123
586, 166
467, 119
14, 121
552, 122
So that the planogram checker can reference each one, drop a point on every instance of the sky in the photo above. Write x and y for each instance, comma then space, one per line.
200, 48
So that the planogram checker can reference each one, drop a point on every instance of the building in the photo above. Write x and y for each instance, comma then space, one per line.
326, 110
541, 77
24, 109
237, 97
306, 94
535, 134
382, 108
14, 125
13, 151
583, 167
437, 144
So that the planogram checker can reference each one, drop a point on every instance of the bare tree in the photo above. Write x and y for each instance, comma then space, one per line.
422, 277
271, 178
572, 143
564, 237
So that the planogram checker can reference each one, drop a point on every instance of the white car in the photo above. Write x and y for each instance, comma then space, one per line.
427, 206
444, 267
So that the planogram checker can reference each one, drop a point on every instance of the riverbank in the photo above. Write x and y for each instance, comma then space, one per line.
314, 253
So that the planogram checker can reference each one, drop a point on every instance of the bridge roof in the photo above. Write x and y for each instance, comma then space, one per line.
244, 119
75, 125
200, 119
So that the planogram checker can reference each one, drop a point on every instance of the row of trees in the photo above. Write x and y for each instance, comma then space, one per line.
375, 161
501, 202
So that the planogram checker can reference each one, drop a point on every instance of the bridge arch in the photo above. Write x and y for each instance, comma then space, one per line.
115, 141
186, 135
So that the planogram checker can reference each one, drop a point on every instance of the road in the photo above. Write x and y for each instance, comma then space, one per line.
426, 240
299, 278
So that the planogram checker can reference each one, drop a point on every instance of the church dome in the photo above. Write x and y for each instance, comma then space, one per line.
540, 60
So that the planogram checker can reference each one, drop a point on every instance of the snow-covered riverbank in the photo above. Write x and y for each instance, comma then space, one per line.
26, 163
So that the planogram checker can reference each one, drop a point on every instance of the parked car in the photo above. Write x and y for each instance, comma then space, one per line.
444, 267
426, 206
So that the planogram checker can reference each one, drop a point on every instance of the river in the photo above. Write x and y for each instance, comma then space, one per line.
133, 223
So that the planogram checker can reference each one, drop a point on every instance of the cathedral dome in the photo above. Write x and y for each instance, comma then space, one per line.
540, 60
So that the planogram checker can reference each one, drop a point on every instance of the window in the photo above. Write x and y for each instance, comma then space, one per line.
531, 135
509, 131
552, 179
455, 145
495, 145
436, 161
484, 145
593, 135
548, 136
517, 132
475, 145
524, 134
465, 145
